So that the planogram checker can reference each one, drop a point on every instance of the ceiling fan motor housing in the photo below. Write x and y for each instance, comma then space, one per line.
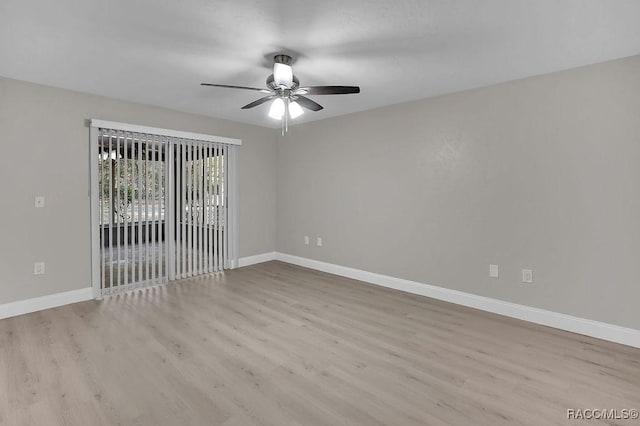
273, 86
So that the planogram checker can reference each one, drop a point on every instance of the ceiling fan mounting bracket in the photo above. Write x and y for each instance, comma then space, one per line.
283, 59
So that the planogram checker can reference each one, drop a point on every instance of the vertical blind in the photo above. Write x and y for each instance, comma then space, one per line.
162, 207
201, 213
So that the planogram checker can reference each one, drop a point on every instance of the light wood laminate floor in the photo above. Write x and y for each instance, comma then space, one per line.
277, 344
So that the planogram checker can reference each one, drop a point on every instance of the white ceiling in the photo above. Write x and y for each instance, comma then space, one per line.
157, 52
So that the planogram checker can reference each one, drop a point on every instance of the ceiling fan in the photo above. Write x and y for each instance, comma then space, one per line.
288, 98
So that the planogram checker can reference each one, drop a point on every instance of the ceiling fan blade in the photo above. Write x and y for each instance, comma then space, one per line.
258, 102
308, 103
328, 90
236, 87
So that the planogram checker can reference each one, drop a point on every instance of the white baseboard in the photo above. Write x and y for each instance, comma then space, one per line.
258, 258
21, 307
600, 330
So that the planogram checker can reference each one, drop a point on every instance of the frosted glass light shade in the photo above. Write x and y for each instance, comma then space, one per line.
282, 75
277, 109
295, 110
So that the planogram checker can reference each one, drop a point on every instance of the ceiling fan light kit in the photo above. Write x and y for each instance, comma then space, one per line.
286, 96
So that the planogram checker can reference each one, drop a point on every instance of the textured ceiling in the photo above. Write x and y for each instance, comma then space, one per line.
157, 52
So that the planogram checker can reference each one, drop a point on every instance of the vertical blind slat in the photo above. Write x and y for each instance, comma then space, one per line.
110, 213
188, 209
224, 200
147, 229
131, 217
164, 272
153, 211
183, 209
215, 209
159, 204
212, 208
201, 210
194, 212
207, 200
170, 153
162, 241
196, 205
176, 209
125, 216
218, 246
139, 200
118, 203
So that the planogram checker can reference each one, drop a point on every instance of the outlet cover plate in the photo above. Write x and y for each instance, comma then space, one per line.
38, 268
494, 271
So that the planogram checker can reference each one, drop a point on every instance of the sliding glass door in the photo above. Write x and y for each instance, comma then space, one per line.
201, 208
162, 206
132, 204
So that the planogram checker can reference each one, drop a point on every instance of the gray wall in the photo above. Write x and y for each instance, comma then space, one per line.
45, 151
541, 173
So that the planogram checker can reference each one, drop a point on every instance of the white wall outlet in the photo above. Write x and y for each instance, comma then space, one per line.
494, 271
39, 201
38, 268
306, 240
527, 276
319, 241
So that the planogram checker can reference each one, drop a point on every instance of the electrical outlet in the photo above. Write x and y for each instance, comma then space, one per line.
493, 271
39, 201
306, 240
527, 276
38, 268
319, 241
